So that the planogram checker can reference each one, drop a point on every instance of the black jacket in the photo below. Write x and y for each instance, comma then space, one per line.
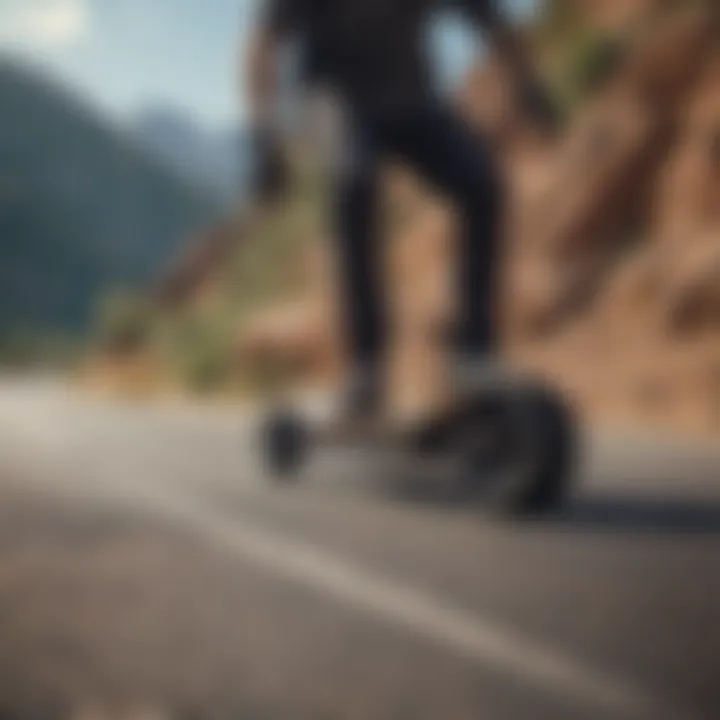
371, 51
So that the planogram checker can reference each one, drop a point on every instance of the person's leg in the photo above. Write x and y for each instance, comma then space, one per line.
443, 149
355, 213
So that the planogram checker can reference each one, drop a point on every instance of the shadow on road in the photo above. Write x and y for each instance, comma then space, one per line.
642, 514
608, 511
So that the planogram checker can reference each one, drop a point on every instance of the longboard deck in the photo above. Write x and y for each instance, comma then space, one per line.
379, 431
409, 427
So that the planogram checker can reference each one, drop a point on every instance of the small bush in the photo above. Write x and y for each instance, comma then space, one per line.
594, 60
35, 349
197, 348
124, 322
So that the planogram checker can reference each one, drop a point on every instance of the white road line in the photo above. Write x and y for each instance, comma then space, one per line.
461, 632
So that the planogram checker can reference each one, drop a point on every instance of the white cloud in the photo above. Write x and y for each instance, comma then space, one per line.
43, 22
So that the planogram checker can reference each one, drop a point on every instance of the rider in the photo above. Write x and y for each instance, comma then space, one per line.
372, 55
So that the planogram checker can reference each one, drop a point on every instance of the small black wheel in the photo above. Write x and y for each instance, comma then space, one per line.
284, 443
519, 449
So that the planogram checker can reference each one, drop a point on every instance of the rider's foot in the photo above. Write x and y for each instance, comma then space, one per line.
477, 371
362, 397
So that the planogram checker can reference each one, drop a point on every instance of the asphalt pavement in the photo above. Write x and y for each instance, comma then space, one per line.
149, 570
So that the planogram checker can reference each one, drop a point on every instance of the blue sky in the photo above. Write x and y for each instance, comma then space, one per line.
127, 55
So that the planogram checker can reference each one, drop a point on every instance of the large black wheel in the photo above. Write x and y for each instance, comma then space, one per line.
284, 442
555, 424
518, 449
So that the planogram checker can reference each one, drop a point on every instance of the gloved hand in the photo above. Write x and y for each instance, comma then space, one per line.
538, 106
270, 172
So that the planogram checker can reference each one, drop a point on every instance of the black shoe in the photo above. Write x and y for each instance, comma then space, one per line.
363, 395
478, 372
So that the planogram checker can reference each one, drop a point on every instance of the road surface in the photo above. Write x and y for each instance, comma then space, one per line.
148, 571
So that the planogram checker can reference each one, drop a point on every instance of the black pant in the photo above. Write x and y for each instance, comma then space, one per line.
445, 152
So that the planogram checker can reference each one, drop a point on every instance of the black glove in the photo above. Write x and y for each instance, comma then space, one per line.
539, 107
270, 173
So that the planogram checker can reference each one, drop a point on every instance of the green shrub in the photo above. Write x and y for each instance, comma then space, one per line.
34, 349
593, 61
197, 347
124, 321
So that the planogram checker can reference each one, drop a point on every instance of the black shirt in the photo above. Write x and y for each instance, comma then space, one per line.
371, 51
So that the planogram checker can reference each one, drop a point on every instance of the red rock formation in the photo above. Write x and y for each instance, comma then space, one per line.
613, 14
613, 272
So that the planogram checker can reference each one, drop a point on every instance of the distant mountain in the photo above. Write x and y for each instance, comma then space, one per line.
213, 158
82, 205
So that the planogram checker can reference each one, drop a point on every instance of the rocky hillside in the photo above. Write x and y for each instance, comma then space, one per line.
612, 283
